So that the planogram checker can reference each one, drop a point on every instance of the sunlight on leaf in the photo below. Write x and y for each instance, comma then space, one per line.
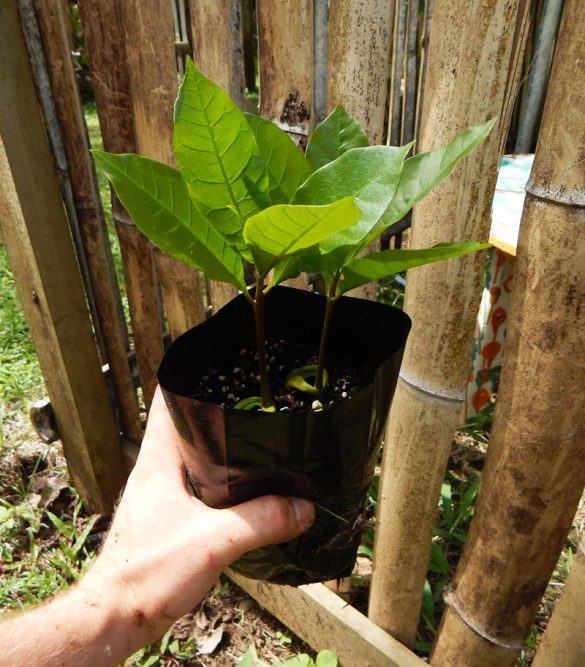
333, 137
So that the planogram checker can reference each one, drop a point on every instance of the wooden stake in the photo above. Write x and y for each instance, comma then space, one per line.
563, 642
533, 479
106, 44
55, 35
324, 620
38, 242
467, 82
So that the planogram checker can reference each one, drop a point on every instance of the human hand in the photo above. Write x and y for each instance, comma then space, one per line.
165, 549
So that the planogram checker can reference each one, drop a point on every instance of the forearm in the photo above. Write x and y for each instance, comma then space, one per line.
164, 551
74, 629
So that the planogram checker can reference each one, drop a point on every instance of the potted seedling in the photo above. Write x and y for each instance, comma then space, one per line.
284, 390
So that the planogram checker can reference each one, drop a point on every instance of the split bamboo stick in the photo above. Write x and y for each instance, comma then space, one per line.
55, 33
467, 82
106, 45
534, 477
563, 642
36, 236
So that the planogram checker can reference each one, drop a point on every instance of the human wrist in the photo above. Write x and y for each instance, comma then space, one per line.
126, 619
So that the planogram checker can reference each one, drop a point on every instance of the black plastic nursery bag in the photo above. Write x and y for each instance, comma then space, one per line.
327, 456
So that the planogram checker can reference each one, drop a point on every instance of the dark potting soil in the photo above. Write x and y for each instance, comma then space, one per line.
227, 384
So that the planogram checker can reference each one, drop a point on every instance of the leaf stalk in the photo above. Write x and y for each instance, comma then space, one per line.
323, 344
259, 316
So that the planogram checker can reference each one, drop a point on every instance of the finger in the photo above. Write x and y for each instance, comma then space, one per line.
262, 521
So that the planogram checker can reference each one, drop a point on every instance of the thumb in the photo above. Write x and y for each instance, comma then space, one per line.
262, 521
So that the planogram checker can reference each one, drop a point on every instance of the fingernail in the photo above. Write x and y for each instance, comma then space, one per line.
304, 511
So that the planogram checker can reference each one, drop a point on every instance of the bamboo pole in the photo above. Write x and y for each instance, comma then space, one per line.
54, 32
154, 83
320, 48
467, 82
396, 97
537, 78
285, 50
106, 45
410, 74
359, 41
37, 239
533, 479
216, 29
563, 642
360, 35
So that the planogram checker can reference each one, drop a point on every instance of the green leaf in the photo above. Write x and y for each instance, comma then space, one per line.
284, 229
60, 525
301, 660
425, 171
326, 659
286, 164
249, 403
438, 561
363, 550
80, 541
428, 607
216, 151
157, 199
250, 659
297, 379
386, 263
371, 176
164, 642
337, 134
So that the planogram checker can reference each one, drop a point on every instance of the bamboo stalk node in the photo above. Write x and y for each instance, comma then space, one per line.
441, 394
452, 601
575, 197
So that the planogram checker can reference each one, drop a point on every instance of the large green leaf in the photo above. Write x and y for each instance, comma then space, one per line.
378, 265
371, 176
156, 197
425, 171
284, 229
337, 134
217, 153
286, 164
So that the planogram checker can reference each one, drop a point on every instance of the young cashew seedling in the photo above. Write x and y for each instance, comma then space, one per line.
244, 192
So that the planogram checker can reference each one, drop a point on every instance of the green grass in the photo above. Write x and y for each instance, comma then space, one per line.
41, 552
21, 379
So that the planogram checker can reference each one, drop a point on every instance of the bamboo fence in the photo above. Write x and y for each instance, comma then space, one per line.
534, 477
402, 68
475, 80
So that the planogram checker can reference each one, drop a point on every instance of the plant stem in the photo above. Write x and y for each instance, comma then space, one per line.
331, 299
267, 402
